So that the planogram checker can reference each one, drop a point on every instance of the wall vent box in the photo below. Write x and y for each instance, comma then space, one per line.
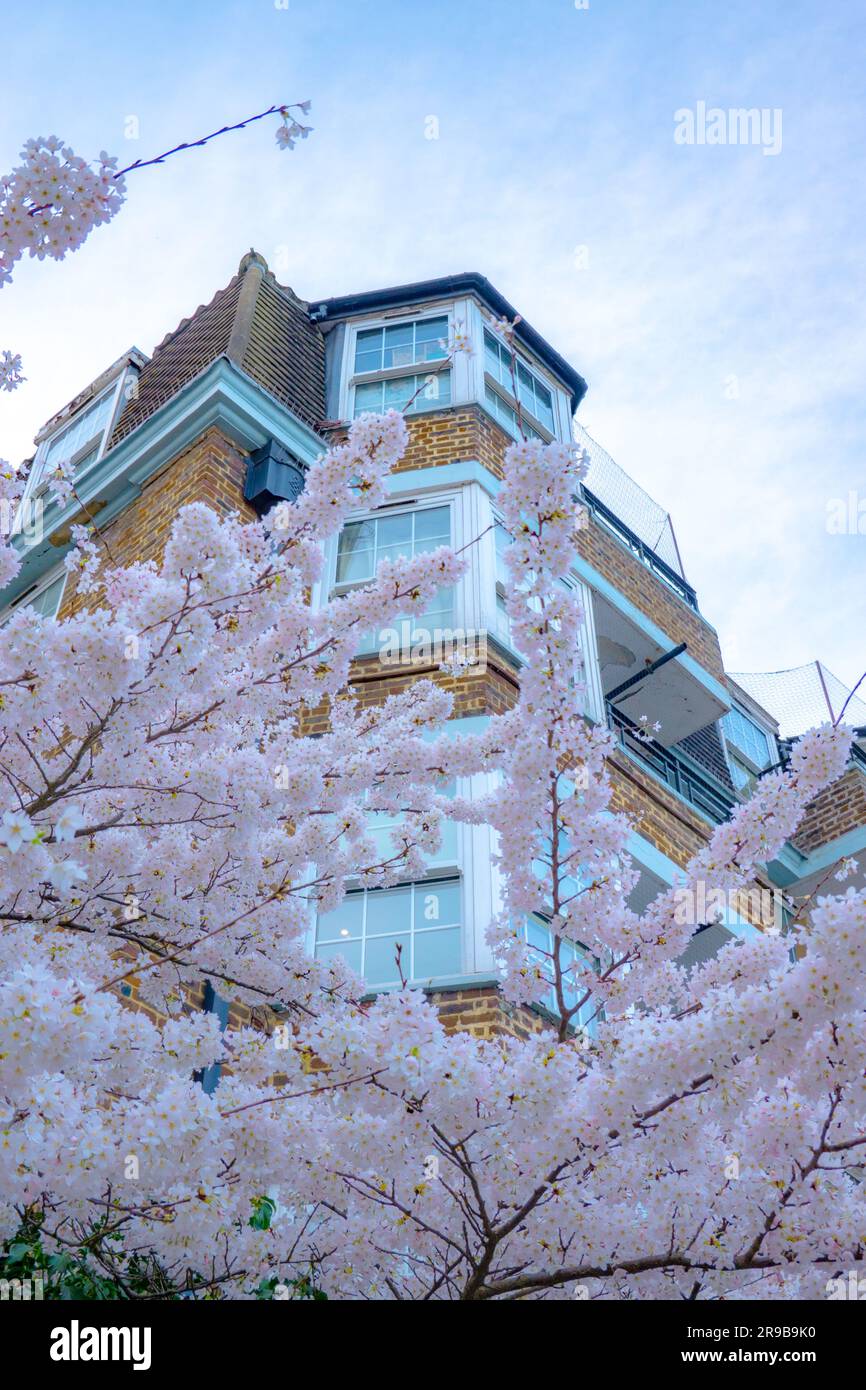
273, 475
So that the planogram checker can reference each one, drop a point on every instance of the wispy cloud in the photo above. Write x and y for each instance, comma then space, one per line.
712, 296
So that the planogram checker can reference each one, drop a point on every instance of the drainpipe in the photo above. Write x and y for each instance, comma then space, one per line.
209, 1077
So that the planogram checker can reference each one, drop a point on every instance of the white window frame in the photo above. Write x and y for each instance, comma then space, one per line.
468, 375
481, 319
38, 481
22, 600
741, 755
503, 389
474, 870
349, 379
409, 930
465, 506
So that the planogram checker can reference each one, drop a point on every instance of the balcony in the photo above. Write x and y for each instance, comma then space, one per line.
675, 770
647, 556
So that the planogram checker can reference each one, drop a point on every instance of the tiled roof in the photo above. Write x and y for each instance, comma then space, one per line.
261, 326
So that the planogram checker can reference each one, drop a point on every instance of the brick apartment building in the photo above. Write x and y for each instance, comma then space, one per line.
241, 396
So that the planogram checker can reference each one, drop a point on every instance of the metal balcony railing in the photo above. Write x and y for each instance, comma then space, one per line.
647, 556
703, 792
857, 755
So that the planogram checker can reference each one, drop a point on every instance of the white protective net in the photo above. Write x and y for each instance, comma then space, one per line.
613, 486
802, 697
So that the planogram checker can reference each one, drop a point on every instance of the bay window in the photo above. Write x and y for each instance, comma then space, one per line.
385, 536
380, 353
80, 441
520, 383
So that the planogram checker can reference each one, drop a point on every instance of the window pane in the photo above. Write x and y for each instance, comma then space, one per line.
747, 736
437, 953
350, 950
492, 357
525, 388
368, 361
358, 535
398, 392
355, 554
368, 397
434, 388
399, 348
447, 853
432, 524
537, 934
431, 337
384, 845
426, 626
423, 919
389, 910
380, 965
368, 350
48, 602
544, 405
394, 531
344, 922
437, 904
90, 424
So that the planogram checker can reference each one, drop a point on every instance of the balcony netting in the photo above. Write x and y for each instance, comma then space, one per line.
613, 486
802, 697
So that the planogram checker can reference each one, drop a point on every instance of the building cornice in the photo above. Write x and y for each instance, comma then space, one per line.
222, 395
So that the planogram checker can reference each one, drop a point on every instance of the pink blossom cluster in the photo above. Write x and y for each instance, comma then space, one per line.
171, 812
10, 371
52, 200
290, 129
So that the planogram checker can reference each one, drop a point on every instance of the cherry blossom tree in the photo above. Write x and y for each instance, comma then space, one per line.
169, 816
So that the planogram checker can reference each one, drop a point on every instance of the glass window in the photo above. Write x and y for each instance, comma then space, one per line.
88, 426
539, 938
382, 823
45, 600
741, 776
748, 737
506, 415
361, 546
423, 919
502, 541
395, 393
401, 345
532, 393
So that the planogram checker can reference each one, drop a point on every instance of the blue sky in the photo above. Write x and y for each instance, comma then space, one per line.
712, 296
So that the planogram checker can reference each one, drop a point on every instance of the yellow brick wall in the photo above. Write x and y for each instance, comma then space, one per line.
211, 470
835, 811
